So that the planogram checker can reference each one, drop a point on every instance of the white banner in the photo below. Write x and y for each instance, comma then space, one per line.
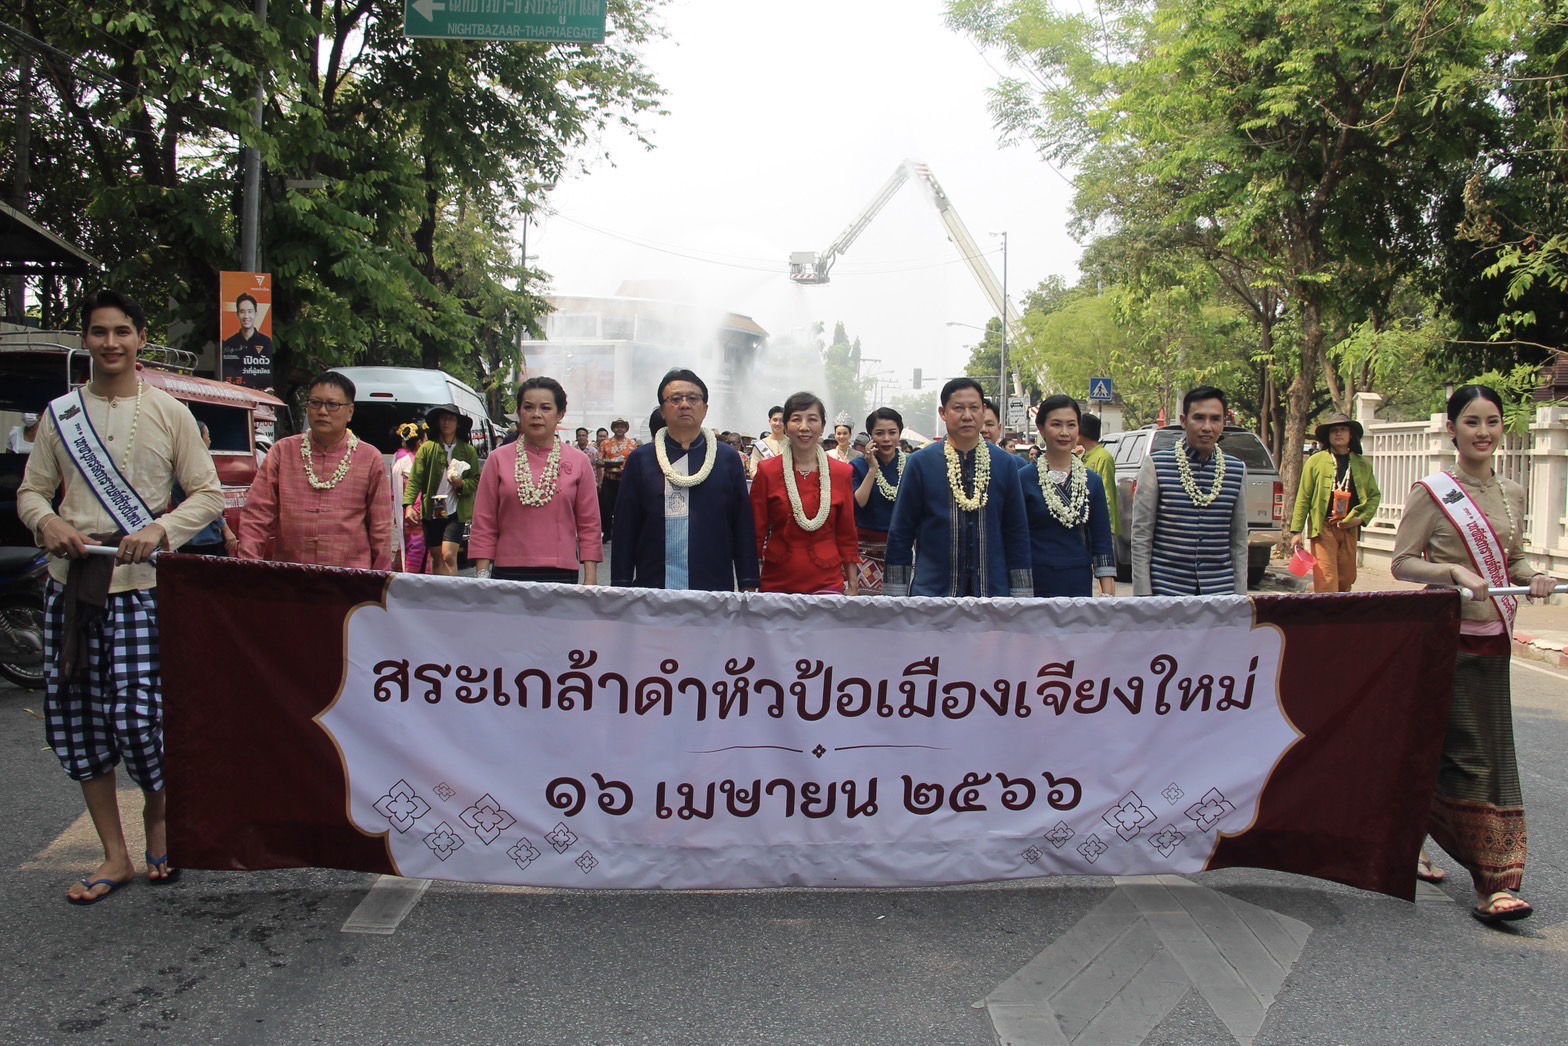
622, 739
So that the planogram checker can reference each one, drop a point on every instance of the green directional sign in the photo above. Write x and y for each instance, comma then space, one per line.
551, 21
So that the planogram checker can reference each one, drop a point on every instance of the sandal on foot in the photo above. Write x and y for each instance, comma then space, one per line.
166, 876
92, 884
1490, 914
1428, 872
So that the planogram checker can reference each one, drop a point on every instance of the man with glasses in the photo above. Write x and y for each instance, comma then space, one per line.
683, 518
321, 497
958, 526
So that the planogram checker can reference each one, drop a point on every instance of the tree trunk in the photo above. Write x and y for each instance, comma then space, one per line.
1298, 400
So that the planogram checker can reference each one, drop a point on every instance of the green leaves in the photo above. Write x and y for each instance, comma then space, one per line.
427, 151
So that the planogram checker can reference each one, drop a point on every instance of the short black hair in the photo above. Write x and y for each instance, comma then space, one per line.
884, 414
774, 410
1089, 426
1060, 401
656, 420
955, 384
990, 405
681, 374
550, 385
583, 429
245, 297
107, 299
1201, 393
801, 401
332, 377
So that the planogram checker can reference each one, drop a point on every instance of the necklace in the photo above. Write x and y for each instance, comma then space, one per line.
793, 490
1184, 469
130, 441
343, 466
676, 478
528, 494
1076, 511
955, 477
886, 489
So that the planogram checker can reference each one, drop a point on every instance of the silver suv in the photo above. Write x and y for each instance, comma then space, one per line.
1264, 491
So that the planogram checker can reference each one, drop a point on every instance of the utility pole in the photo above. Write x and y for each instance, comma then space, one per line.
1002, 389
250, 205
17, 303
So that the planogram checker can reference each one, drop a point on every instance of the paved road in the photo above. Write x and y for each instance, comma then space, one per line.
264, 957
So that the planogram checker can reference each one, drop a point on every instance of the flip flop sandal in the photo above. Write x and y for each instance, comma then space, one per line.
91, 898
166, 877
1427, 872
1488, 914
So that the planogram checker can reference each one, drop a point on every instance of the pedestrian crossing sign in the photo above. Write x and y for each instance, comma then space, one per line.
1102, 390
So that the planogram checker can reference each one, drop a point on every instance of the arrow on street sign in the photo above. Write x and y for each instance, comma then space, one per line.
1115, 976
428, 8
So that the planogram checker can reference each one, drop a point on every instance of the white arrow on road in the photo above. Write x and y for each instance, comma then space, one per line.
428, 8
1117, 974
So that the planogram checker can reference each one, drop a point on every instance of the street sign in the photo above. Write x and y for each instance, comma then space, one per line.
1017, 415
1102, 390
551, 21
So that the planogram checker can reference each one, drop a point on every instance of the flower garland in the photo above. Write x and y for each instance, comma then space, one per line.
1076, 511
1190, 485
815, 522
130, 442
955, 477
701, 474
530, 495
886, 489
343, 466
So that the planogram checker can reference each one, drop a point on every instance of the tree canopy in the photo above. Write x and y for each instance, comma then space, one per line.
395, 170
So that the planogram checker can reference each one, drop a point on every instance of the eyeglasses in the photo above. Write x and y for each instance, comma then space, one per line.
330, 406
682, 399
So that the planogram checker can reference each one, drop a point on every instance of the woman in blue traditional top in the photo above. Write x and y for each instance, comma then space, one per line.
1069, 524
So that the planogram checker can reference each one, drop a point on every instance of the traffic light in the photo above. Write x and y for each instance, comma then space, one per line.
917, 378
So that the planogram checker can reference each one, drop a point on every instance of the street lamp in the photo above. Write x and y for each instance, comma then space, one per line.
983, 330
1001, 399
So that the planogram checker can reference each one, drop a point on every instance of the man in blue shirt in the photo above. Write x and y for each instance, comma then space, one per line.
683, 516
961, 509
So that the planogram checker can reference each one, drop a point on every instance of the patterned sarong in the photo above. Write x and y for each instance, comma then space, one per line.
1478, 809
873, 561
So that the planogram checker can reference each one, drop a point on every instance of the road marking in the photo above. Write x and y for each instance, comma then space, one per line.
1520, 662
386, 905
78, 850
1115, 976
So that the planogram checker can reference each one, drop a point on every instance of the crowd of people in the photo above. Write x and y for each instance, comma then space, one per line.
693, 510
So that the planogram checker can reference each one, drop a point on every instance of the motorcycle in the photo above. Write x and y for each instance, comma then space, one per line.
22, 573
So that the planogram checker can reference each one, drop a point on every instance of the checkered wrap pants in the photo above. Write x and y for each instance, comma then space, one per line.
115, 711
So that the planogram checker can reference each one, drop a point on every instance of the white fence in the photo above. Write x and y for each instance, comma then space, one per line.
1403, 452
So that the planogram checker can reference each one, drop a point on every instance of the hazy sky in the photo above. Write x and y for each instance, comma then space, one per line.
785, 120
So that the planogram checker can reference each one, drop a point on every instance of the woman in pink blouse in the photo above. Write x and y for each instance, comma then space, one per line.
536, 513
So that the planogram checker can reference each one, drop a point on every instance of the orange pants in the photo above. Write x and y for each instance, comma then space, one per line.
1335, 550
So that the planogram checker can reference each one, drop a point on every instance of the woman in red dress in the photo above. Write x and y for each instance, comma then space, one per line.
804, 507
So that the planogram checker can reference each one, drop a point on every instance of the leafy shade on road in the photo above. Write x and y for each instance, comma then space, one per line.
428, 154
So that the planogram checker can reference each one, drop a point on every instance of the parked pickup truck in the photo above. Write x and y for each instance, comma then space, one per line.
1264, 490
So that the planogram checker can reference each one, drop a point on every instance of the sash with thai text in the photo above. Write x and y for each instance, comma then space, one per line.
1486, 550
93, 460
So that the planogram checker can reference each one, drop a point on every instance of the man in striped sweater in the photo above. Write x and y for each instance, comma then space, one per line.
1189, 522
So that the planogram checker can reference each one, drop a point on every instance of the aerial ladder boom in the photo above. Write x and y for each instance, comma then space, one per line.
811, 269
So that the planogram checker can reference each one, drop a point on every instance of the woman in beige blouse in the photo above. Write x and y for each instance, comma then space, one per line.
1478, 808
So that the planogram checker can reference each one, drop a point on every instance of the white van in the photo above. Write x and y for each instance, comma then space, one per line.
386, 397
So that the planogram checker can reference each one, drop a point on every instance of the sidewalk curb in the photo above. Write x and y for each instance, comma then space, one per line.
1527, 646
